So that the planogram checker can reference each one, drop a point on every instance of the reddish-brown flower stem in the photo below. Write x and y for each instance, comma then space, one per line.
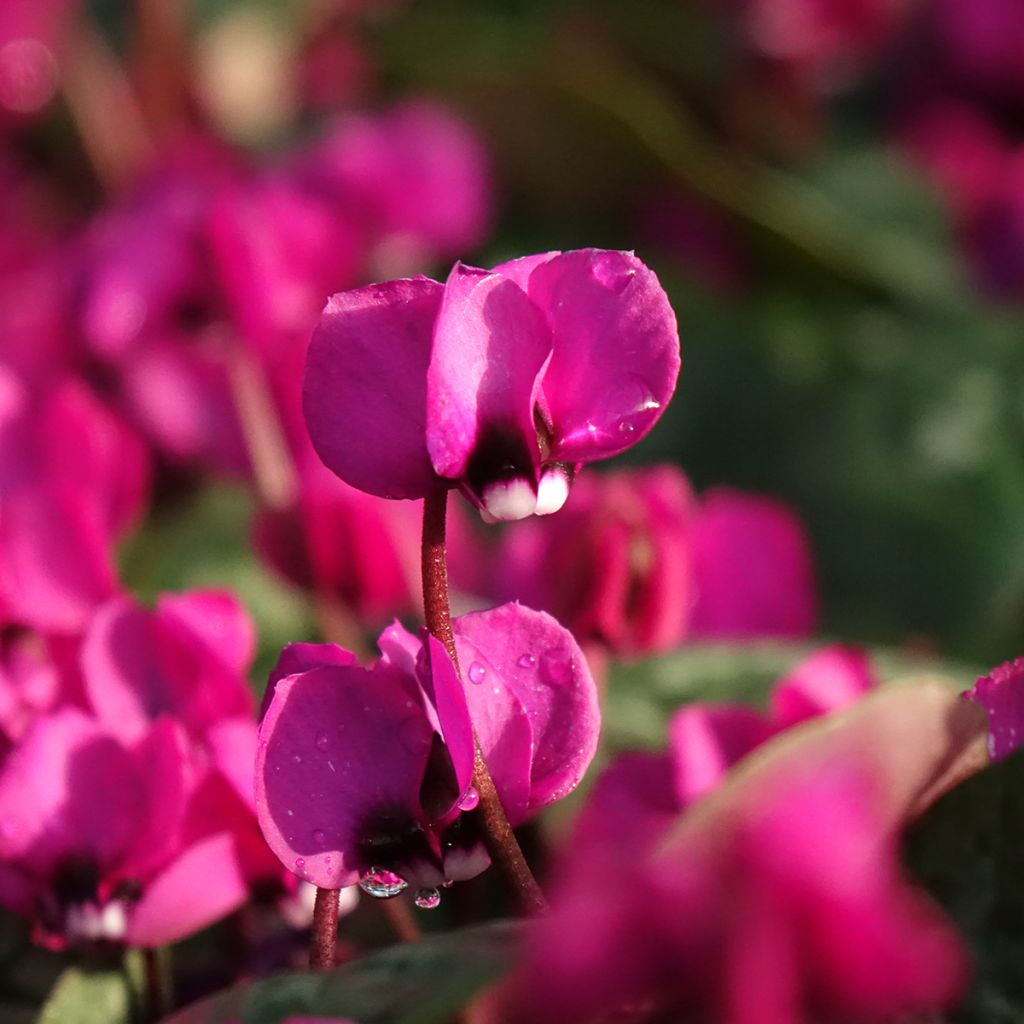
499, 838
324, 939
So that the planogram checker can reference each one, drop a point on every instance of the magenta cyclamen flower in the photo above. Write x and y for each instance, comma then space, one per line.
502, 382
363, 774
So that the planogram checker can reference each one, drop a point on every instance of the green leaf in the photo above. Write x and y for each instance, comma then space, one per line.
84, 996
967, 850
424, 982
642, 694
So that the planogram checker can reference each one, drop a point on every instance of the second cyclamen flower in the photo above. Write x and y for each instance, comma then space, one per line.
363, 774
502, 382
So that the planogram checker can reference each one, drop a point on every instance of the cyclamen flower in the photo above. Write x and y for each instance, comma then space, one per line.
363, 774
502, 382
1001, 694
102, 839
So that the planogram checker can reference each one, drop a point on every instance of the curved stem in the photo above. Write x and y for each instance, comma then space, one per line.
325, 930
499, 838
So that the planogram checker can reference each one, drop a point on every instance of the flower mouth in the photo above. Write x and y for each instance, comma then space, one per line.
393, 841
502, 477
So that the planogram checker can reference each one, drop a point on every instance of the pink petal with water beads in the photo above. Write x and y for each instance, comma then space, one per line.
825, 681
490, 346
523, 668
363, 393
616, 351
202, 885
300, 657
1001, 694
342, 753
706, 740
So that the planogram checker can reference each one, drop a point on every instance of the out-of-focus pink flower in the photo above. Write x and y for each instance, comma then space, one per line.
822, 41
364, 774
345, 545
37, 674
1001, 694
503, 382
779, 899
753, 569
960, 149
613, 565
637, 564
31, 40
415, 178
95, 840
982, 41
73, 478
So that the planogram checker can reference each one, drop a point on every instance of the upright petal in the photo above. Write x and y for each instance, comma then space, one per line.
528, 656
365, 386
299, 657
827, 680
341, 757
218, 620
616, 351
490, 346
1001, 694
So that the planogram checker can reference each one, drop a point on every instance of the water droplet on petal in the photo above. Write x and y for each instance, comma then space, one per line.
319, 836
297, 758
470, 800
477, 673
526, 660
381, 883
323, 741
427, 899
300, 863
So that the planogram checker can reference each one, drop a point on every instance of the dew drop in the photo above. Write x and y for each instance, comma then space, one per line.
297, 758
319, 836
381, 883
526, 660
300, 863
427, 899
470, 800
323, 741
477, 673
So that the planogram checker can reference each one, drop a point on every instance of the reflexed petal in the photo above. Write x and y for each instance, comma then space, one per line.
365, 386
616, 351
196, 889
829, 679
232, 743
490, 345
300, 657
528, 656
706, 740
338, 746
519, 270
1001, 694
217, 618
69, 788
753, 568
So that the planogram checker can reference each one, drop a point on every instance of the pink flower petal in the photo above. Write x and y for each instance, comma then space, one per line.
69, 788
825, 681
490, 345
217, 619
300, 657
1001, 694
536, 662
339, 747
753, 569
706, 740
365, 387
616, 351
199, 887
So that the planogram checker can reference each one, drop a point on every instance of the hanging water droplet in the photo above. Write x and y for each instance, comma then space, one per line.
477, 673
323, 741
470, 800
381, 883
526, 660
319, 835
427, 899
